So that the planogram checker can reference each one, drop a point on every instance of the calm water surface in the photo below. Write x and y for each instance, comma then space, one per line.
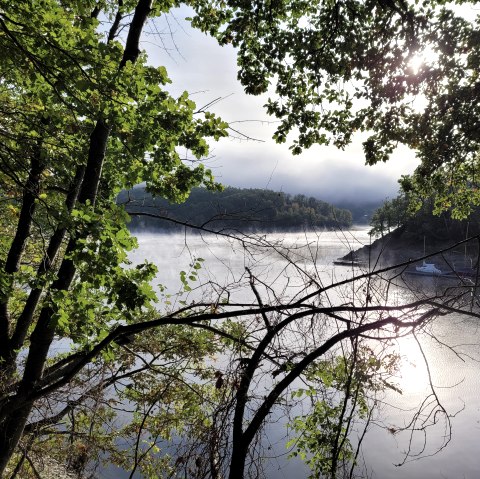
457, 379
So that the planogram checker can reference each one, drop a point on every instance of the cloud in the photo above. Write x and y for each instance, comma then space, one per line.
323, 172
201, 66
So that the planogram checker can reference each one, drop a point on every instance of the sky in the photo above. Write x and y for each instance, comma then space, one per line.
196, 63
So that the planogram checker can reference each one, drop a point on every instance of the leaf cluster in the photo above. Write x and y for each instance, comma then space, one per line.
335, 68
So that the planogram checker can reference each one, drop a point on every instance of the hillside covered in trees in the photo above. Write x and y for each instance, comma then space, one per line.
403, 234
234, 208
413, 227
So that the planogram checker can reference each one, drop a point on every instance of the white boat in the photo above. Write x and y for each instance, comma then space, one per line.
428, 269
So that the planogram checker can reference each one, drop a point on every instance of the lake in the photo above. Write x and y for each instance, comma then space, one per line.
455, 376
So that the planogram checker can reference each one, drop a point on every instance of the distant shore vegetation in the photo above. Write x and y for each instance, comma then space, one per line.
233, 209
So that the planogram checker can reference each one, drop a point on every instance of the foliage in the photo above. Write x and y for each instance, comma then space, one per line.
424, 228
235, 209
402, 72
342, 392
391, 215
83, 116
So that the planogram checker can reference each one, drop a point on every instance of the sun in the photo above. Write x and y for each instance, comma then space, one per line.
416, 62
419, 59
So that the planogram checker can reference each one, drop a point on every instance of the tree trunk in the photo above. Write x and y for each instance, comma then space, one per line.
237, 462
11, 430
30, 194
15, 409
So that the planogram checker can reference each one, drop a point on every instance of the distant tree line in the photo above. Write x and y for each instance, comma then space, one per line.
362, 209
234, 208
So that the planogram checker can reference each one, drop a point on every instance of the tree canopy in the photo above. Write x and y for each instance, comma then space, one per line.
83, 115
402, 72
391, 215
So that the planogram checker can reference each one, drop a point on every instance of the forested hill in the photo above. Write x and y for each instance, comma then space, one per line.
402, 235
235, 208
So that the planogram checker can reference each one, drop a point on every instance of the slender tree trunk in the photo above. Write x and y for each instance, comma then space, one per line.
14, 419
31, 190
237, 461
26, 317
11, 428
240, 439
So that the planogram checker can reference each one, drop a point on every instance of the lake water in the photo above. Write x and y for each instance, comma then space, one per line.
456, 378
